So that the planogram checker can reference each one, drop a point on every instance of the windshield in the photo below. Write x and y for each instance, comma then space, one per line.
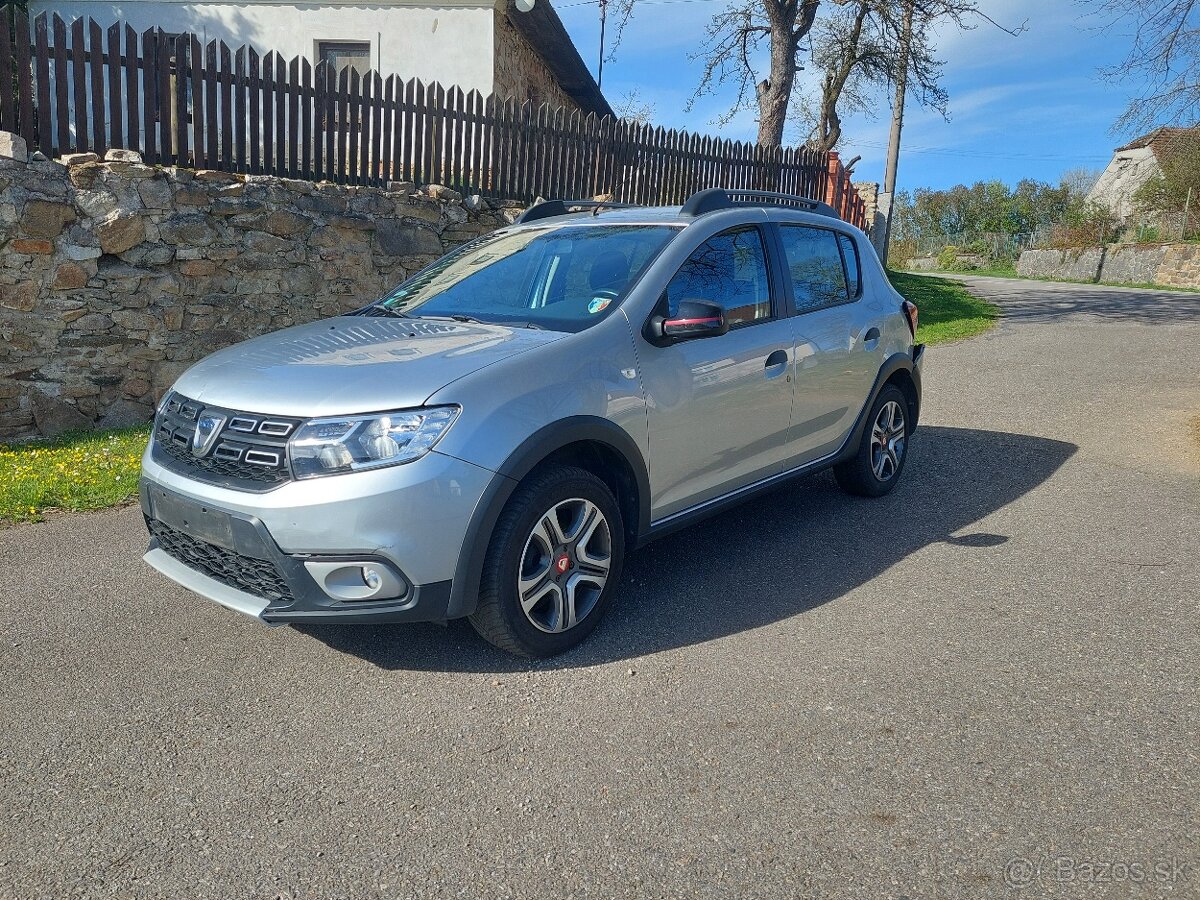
562, 277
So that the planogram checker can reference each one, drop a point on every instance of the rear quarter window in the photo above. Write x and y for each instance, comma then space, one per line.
853, 269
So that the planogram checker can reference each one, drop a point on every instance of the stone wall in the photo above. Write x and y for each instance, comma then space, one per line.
115, 276
1180, 266
1131, 264
521, 73
1171, 265
1075, 265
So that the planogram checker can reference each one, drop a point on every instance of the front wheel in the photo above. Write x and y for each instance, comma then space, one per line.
876, 466
552, 564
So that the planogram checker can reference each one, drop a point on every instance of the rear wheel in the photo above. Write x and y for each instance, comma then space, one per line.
552, 564
876, 467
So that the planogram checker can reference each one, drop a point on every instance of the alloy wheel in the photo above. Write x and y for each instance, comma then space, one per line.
888, 437
565, 565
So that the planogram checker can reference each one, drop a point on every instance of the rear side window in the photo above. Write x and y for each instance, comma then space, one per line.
729, 269
815, 262
850, 255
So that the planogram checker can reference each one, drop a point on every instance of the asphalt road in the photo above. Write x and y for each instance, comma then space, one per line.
810, 696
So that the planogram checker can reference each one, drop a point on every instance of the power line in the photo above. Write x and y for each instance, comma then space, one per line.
640, 3
981, 154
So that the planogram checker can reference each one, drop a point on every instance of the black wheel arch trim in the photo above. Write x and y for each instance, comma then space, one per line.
897, 362
532, 451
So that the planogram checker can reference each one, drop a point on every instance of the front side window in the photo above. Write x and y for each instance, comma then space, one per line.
815, 262
559, 277
730, 270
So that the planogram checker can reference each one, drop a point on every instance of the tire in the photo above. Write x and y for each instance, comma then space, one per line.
877, 465
551, 567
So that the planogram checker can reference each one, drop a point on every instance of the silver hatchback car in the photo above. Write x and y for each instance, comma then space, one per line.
493, 436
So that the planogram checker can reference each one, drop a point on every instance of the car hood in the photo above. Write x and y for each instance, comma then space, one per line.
351, 364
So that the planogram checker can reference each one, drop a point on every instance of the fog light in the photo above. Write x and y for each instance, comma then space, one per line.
357, 579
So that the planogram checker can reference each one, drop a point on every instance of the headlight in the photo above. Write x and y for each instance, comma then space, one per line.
353, 443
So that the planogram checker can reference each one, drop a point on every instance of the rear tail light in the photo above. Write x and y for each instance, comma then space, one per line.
910, 311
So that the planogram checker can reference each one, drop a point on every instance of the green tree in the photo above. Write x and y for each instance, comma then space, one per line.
1169, 192
990, 214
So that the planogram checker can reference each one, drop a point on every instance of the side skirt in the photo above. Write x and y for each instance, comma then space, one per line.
690, 516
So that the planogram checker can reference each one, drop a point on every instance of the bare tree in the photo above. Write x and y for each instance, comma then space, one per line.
730, 53
1165, 57
857, 50
1080, 180
734, 37
633, 108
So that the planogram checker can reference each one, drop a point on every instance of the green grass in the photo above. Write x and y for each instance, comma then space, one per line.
946, 310
90, 470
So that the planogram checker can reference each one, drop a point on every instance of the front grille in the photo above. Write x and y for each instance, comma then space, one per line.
249, 451
254, 576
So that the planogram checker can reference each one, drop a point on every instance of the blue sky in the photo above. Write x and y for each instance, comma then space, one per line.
1026, 106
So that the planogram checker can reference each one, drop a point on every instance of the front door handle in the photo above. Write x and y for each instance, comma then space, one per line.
871, 338
776, 363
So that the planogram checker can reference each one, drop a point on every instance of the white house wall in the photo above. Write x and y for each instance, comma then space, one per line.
1127, 172
452, 43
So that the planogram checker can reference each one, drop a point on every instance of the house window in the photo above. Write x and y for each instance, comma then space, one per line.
341, 54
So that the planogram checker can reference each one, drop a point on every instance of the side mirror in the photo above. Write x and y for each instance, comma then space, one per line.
695, 319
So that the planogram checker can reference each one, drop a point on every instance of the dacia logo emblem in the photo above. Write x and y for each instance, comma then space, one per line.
208, 426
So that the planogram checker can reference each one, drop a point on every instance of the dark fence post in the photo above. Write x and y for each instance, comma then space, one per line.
306, 119
240, 91
226, 127
116, 124
8, 94
78, 60
96, 83
149, 141
45, 131
294, 91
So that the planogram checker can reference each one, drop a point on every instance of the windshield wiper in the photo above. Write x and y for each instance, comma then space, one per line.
456, 317
378, 310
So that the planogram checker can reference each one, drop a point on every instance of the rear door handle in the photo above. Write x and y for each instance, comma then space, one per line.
776, 363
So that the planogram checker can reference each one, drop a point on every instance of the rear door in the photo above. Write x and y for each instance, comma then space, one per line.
838, 349
720, 407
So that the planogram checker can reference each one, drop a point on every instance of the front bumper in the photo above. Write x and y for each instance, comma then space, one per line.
258, 554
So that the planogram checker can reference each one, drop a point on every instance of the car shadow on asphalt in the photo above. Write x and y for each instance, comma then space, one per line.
772, 558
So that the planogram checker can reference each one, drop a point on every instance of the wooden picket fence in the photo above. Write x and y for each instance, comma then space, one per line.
79, 87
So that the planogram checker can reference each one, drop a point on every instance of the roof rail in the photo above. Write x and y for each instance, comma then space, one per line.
723, 198
548, 208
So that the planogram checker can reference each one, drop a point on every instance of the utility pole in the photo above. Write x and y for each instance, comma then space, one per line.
893, 157
600, 66
1187, 210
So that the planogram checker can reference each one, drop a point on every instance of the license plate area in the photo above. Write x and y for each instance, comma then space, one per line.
201, 522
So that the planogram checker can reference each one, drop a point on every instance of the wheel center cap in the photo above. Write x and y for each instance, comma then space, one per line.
562, 564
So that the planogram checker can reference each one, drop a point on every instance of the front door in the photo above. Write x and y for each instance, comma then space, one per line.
720, 407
